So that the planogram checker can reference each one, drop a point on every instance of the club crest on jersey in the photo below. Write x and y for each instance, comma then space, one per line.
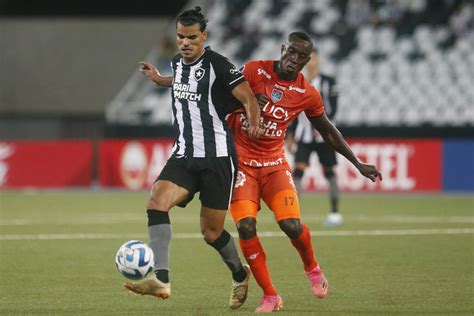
199, 73
276, 95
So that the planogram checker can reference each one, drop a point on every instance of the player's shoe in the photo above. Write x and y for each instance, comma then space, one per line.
149, 286
238, 294
319, 283
333, 219
269, 303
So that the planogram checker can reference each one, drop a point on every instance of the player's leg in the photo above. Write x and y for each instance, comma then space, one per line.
245, 212
165, 194
216, 184
300, 238
282, 199
301, 163
327, 157
244, 208
285, 206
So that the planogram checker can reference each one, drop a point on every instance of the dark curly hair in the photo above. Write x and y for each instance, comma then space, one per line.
301, 35
191, 17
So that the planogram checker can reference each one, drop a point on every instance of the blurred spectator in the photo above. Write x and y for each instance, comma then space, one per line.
167, 49
462, 21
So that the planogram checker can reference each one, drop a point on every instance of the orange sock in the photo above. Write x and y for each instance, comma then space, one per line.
305, 248
256, 258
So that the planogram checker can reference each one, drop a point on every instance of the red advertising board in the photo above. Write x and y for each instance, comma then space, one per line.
133, 164
406, 165
45, 163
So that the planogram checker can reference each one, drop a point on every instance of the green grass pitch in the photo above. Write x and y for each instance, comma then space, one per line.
394, 254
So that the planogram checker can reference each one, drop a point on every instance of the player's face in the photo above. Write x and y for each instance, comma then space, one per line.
294, 56
190, 41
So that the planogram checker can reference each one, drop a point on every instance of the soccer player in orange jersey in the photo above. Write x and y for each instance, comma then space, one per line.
264, 172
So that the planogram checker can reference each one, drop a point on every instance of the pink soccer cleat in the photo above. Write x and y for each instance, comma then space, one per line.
319, 283
269, 303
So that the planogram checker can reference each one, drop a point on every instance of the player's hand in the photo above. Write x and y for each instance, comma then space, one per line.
262, 100
370, 172
150, 71
254, 131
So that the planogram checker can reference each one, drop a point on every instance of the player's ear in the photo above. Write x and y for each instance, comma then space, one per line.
204, 35
282, 48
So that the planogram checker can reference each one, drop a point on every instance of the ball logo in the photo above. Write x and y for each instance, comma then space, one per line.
133, 165
240, 181
199, 74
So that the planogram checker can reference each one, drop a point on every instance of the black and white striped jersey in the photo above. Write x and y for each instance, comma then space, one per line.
304, 131
200, 95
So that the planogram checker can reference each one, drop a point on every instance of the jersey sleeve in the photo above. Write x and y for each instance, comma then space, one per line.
251, 71
315, 104
227, 73
248, 70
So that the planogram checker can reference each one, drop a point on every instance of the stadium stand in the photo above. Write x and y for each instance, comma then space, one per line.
399, 63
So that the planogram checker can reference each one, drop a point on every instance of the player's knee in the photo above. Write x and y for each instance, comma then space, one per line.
291, 227
298, 173
328, 172
247, 228
156, 203
211, 234
162, 200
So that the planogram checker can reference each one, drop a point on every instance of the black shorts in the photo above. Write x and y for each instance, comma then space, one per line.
327, 155
214, 177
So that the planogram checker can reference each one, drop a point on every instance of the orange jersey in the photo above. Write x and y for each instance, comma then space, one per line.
287, 100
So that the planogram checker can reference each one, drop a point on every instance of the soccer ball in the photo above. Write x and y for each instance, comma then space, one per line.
134, 259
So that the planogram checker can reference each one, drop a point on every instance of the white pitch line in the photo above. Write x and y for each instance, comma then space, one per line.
307, 219
330, 233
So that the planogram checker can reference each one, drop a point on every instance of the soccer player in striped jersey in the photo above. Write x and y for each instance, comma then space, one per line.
204, 158
264, 173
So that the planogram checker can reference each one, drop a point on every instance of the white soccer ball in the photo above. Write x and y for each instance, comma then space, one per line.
134, 259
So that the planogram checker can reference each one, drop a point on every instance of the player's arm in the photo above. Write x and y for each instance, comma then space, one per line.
334, 138
244, 94
151, 72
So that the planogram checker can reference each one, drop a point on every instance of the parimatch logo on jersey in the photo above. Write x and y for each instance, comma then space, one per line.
181, 91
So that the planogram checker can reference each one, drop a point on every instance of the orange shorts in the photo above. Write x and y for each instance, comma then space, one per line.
273, 184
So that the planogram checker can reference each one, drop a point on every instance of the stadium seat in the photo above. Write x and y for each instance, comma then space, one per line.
412, 72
